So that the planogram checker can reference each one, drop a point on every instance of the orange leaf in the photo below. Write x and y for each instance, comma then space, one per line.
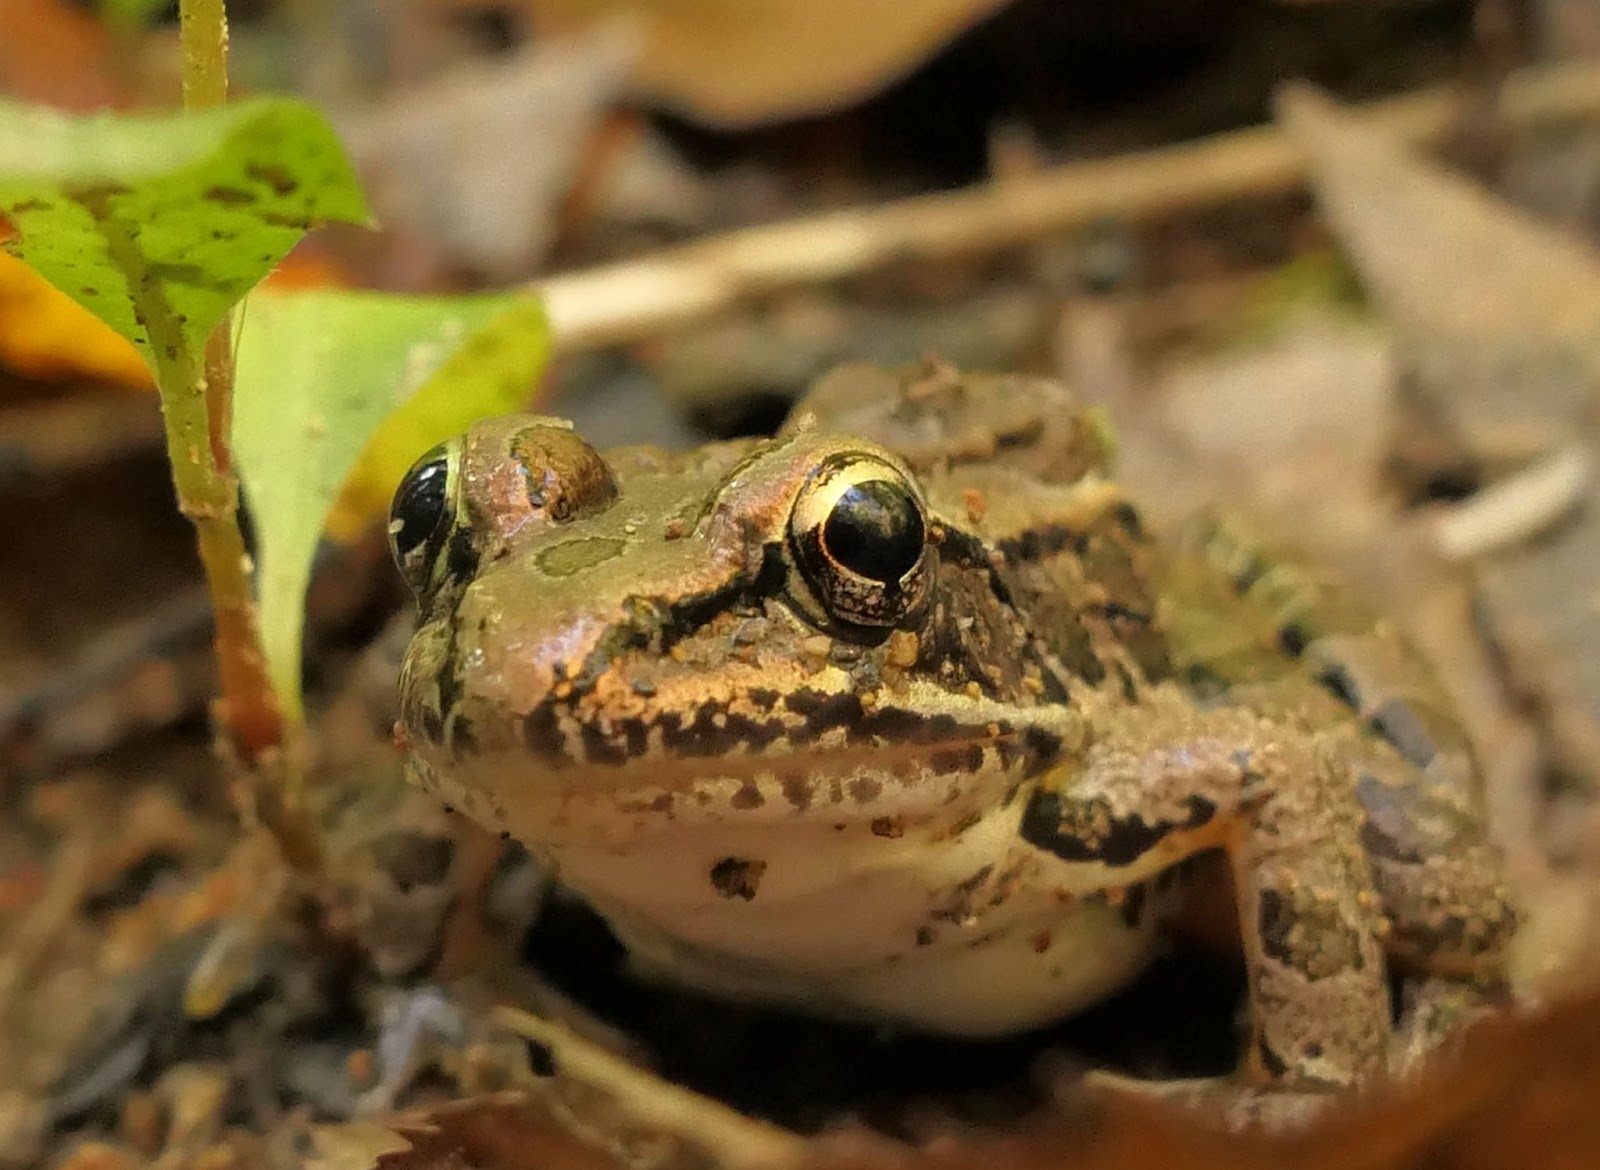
44, 334
56, 53
743, 62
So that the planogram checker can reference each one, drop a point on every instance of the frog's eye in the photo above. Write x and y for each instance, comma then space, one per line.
861, 542
420, 517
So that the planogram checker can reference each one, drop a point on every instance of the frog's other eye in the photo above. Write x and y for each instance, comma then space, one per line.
421, 515
861, 541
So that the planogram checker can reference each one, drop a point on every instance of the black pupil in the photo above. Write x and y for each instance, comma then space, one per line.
419, 504
875, 529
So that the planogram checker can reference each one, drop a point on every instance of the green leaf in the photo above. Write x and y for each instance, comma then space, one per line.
325, 377
159, 223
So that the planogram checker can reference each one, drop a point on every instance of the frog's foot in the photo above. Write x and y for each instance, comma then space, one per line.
1230, 1102
1435, 1013
1169, 782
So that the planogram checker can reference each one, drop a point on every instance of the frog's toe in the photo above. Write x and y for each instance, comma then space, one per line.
1229, 1102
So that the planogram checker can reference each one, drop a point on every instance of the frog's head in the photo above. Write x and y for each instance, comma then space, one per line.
755, 626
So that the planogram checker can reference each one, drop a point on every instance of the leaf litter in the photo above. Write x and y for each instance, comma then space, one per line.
1510, 1086
1497, 320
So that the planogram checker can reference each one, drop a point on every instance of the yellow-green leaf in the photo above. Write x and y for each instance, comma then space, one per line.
326, 378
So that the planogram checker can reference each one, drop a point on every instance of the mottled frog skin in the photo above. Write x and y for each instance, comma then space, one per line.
900, 716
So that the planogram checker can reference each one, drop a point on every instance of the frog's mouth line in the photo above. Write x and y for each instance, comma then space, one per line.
953, 735
853, 764
889, 786
1004, 751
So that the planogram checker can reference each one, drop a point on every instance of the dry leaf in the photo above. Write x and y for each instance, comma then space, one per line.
1521, 1095
46, 334
1500, 311
743, 62
1500, 317
1543, 606
504, 1132
480, 160
56, 52
1438, 253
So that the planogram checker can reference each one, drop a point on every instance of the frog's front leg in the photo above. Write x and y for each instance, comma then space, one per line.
1163, 782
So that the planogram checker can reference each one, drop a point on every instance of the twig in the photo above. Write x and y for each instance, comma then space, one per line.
646, 1100
678, 286
1514, 509
43, 921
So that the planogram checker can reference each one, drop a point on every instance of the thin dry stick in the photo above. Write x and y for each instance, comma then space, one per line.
1514, 509
45, 919
678, 286
732, 1139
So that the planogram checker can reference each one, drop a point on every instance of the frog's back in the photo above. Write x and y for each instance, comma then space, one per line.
1019, 464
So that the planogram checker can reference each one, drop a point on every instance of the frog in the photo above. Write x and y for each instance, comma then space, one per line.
892, 717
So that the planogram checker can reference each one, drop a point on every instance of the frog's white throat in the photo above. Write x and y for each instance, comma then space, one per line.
907, 897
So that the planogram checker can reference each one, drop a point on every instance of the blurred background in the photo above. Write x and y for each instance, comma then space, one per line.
1363, 310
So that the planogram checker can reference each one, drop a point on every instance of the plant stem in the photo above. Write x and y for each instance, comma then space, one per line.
208, 495
203, 33
197, 395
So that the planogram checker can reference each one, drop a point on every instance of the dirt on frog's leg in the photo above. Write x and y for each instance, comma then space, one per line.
1442, 880
1164, 781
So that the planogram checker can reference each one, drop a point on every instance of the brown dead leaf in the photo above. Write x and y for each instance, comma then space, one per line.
743, 62
358, 1145
55, 52
1289, 427
1543, 603
503, 1132
1521, 1095
480, 160
1441, 255
1499, 311
1499, 317
45, 334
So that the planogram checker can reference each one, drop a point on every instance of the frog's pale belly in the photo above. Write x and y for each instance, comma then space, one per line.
970, 932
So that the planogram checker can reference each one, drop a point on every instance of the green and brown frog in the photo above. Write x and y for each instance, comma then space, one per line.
883, 718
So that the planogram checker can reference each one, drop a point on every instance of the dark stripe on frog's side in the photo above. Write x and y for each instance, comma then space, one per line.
1311, 614
1439, 877
1076, 831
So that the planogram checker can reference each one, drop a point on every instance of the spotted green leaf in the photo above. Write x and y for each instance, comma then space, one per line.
159, 223
330, 381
